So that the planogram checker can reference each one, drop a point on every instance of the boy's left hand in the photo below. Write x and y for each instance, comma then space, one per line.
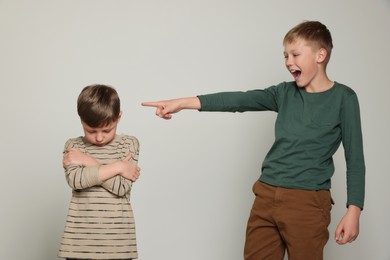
348, 229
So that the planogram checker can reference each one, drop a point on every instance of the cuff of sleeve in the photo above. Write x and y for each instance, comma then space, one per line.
201, 99
359, 205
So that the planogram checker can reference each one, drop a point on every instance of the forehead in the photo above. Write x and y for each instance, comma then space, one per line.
297, 44
100, 128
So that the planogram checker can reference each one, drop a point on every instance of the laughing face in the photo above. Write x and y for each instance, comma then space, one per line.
302, 62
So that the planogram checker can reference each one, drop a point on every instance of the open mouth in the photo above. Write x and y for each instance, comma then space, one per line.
295, 73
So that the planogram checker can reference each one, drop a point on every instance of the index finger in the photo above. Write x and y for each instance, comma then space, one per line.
152, 104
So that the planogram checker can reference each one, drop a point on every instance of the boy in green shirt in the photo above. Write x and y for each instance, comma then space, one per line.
292, 206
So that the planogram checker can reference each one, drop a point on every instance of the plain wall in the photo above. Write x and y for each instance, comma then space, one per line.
193, 199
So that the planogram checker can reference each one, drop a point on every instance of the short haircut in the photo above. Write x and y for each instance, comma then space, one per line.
315, 33
98, 105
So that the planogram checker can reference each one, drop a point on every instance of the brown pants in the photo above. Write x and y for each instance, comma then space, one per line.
287, 219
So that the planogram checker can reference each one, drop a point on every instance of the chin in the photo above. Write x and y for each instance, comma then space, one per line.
300, 85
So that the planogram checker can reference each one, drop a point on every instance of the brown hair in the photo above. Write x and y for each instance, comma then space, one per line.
98, 105
314, 33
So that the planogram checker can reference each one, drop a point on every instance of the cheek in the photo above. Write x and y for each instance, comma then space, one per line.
89, 137
110, 136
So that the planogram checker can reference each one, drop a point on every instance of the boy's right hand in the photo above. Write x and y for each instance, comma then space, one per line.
166, 108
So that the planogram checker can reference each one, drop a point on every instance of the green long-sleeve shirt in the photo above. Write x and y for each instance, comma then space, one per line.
308, 131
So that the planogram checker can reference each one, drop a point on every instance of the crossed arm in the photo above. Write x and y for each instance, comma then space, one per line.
124, 168
83, 171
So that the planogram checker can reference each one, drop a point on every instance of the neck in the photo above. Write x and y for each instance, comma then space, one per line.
320, 85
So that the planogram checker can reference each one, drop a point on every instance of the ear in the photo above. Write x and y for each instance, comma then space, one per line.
321, 55
119, 116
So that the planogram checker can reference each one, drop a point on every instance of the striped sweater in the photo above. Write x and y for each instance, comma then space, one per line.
100, 222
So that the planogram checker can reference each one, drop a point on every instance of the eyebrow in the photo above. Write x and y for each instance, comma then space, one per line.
104, 128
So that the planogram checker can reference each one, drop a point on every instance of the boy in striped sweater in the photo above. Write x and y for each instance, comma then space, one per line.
100, 168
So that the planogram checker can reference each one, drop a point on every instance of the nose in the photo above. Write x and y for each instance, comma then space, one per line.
99, 137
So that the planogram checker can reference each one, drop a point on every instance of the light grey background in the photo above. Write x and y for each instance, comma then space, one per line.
194, 196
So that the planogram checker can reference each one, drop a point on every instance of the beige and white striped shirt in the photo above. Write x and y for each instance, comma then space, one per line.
100, 222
